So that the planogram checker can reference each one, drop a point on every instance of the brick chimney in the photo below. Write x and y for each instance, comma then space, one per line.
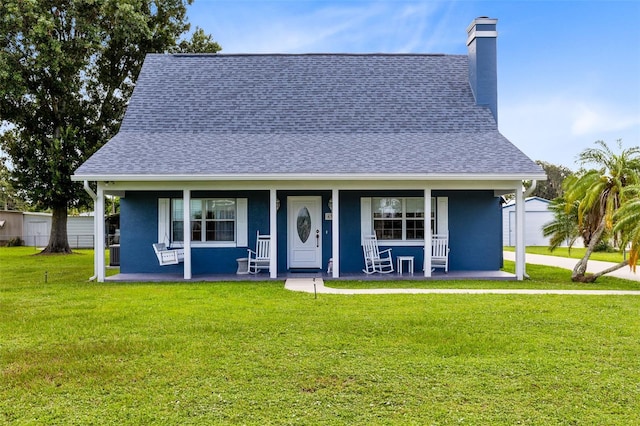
483, 76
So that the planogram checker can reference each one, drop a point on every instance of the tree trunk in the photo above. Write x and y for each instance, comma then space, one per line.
580, 270
592, 277
58, 240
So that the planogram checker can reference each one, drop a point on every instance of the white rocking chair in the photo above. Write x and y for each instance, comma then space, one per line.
440, 252
374, 259
261, 257
168, 256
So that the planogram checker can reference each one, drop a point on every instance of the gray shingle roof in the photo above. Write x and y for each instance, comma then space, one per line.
319, 113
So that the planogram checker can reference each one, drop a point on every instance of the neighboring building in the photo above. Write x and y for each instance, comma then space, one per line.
34, 228
537, 214
11, 223
314, 150
80, 231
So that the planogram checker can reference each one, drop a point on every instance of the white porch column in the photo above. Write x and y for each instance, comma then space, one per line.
99, 242
520, 247
335, 232
187, 233
273, 231
427, 232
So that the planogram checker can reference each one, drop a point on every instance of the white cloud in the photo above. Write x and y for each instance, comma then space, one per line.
356, 27
557, 128
591, 118
285, 30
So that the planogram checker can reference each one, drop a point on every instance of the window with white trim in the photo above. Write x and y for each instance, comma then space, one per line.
402, 219
212, 220
399, 219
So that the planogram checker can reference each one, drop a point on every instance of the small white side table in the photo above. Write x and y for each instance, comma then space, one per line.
400, 260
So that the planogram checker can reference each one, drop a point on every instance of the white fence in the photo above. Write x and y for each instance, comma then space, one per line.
75, 241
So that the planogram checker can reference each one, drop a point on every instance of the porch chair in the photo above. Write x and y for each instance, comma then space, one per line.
440, 252
374, 259
261, 257
168, 256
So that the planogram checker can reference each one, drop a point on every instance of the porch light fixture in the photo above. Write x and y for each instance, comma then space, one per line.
277, 204
331, 204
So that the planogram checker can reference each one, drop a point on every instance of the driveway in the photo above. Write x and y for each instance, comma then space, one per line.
566, 263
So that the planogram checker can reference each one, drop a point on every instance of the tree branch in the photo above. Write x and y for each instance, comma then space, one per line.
611, 269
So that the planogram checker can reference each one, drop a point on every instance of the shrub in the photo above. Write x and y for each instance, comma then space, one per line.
15, 242
604, 246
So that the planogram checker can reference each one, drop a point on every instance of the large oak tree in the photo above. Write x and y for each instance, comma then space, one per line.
67, 70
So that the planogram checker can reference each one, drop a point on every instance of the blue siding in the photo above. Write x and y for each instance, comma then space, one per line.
475, 230
483, 79
351, 258
139, 230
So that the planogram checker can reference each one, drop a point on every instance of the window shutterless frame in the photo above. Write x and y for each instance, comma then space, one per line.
400, 221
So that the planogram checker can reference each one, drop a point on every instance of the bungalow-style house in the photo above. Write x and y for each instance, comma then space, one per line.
314, 150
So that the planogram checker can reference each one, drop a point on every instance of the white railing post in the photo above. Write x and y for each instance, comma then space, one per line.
187, 233
273, 232
335, 233
520, 247
427, 232
99, 243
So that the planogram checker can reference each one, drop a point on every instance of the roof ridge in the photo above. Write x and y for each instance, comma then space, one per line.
197, 55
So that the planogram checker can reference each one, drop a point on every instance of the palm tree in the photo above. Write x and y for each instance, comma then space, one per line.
627, 220
564, 226
598, 195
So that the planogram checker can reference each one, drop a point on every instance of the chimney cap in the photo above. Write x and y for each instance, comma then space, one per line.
473, 32
481, 20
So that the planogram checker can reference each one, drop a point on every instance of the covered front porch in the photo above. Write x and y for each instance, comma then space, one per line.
271, 208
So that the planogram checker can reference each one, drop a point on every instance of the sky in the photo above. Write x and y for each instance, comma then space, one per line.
568, 71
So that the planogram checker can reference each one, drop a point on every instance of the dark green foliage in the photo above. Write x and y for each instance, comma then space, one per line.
15, 242
603, 246
10, 198
552, 187
67, 70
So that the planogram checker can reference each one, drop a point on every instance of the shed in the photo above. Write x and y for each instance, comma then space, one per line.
537, 214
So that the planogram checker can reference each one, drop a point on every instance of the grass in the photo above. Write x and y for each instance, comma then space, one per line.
576, 253
73, 352
541, 277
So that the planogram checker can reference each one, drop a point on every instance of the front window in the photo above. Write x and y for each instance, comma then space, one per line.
211, 220
400, 219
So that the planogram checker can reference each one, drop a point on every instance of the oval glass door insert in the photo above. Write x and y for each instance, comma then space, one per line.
304, 224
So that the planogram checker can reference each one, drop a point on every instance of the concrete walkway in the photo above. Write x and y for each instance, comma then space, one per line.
566, 263
310, 285
316, 285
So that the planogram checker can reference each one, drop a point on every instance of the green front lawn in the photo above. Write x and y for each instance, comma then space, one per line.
73, 352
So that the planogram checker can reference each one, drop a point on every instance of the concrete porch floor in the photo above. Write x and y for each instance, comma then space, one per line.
436, 276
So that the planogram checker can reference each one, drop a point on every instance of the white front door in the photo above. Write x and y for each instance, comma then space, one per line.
305, 232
